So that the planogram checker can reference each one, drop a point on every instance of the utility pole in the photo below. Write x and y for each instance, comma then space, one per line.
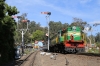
48, 20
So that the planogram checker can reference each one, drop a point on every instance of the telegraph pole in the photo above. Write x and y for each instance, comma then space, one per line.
48, 20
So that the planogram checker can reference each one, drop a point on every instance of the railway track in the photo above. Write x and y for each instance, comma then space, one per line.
32, 63
28, 60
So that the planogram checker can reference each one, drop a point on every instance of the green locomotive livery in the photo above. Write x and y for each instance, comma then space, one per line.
70, 40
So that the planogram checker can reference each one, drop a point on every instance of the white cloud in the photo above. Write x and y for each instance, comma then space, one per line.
70, 7
64, 10
95, 22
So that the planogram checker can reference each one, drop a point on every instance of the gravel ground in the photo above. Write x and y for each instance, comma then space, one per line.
67, 60
62, 60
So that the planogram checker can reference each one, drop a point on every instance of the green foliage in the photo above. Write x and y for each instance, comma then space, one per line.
2, 8
35, 32
17, 37
38, 35
93, 50
7, 31
9, 10
79, 22
55, 27
97, 38
98, 44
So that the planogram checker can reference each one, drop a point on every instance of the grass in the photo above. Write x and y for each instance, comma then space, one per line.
93, 50
27, 51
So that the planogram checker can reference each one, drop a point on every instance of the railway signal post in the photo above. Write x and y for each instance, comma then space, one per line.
48, 20
22, 30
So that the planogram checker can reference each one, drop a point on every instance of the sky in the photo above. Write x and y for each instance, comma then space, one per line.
61, 10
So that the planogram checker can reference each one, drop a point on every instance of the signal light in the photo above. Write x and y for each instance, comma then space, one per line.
28, 20
44, 12
19, 17
24, 20
49, 13
14, 16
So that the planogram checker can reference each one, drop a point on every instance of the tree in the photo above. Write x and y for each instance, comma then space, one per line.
97, 37
79, 22
7, 31
38, 35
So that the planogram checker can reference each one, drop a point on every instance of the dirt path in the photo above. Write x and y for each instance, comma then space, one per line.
62, 60
72, 60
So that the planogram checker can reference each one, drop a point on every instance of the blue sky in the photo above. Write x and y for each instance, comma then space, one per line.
61, 10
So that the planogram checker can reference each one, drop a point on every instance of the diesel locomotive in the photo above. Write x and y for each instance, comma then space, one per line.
70, 39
